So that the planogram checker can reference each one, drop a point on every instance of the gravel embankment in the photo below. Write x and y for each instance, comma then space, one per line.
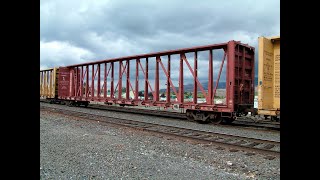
272, 135
85, 150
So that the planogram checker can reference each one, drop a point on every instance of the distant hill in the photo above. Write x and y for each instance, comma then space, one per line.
221, 85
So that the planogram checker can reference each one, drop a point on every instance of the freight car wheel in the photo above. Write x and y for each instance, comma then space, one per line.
70, 103
189, 115
217, 120
228, 120
190, 118
203, 122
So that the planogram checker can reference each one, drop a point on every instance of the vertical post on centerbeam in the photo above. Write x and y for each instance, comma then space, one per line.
81, 83
98, 89
210, 84
105, 81
112, 81
120, 81
146, 81
76, 81
156, 82
168, 82
87, 81
128, 80
92, 83
137, 80
181, 91
195, 87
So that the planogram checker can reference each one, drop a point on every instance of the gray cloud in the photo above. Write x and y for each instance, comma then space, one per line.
76, 31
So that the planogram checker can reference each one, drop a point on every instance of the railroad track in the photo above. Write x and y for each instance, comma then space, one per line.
177, 115
260, 146
256, 124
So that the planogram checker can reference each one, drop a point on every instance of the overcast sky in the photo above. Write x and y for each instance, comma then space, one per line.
77, 31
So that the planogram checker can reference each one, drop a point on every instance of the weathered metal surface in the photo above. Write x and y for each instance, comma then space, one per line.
269, 76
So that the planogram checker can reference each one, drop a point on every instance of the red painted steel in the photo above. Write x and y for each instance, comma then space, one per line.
137, 80
76, 81
81, 84
72, 86
251, 95
168, 80
105, 81
112, 81
156, 85
195, 78
98, 89
64, 82
120, 80
181, 91
146, 83
128, 80
210, 77
92, 82
230, 76
87, 82
238, 57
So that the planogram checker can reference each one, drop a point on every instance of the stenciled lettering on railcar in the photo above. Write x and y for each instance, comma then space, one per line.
277, 76
267, 66
64, 78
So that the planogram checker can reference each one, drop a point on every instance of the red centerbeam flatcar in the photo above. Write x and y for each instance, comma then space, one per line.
96, 81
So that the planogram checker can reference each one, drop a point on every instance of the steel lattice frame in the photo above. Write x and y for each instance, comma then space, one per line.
239, 78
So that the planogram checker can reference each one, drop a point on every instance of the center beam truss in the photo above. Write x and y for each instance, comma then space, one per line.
97, 89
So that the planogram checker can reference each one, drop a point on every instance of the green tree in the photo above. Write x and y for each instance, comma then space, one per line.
140, 93
123, 89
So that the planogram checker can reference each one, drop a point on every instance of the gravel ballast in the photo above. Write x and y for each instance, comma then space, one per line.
72, 149
238, 131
